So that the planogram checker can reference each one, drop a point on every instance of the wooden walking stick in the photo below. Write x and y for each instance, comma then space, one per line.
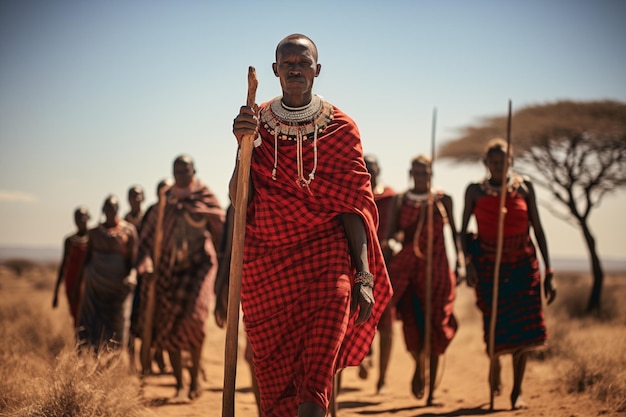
429, 262
146, 334
496, 268
236, 261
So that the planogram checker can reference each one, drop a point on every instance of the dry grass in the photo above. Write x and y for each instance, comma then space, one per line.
41, 375
40, 371
588, 352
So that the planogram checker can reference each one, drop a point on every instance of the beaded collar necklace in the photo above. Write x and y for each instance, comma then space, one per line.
297, 124
513, 183
418, 197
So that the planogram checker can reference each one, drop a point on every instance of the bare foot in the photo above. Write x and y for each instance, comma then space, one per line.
432, 401
179, 398
417, 385
381, 388
517, 402
194, 393
363, 372
364, 368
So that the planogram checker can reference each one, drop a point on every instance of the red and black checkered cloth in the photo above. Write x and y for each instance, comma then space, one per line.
298, 274
408, 277
520, 322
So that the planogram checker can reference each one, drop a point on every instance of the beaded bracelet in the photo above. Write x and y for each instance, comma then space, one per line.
364, 278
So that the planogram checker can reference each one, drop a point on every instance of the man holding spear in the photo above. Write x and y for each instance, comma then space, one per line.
428, 322
502, 265
314, 282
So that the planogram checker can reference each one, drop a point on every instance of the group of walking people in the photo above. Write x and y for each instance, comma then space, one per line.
330, 254
147, 276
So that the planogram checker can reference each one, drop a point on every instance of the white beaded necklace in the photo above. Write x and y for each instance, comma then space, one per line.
297, 124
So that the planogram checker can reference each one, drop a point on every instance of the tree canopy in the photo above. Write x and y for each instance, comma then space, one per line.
602, 121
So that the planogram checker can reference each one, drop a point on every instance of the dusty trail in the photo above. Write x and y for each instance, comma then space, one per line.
463, 388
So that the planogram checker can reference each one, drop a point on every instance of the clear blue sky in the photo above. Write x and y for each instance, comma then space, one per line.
97, 96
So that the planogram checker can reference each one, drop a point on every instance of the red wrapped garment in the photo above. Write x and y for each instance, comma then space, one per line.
408, 277
187, 265
297, 272
520, 323
75, 256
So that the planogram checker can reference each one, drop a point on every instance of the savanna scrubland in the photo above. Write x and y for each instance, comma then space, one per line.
582, 372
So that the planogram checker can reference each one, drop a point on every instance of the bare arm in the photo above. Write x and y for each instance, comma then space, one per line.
392, 223
81, 269
533, 216
460, 255
66, 247
468, 210
133, 246
362, 295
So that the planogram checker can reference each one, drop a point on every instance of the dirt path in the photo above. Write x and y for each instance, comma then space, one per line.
463, 390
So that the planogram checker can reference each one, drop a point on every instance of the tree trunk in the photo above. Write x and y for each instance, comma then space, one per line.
596, 270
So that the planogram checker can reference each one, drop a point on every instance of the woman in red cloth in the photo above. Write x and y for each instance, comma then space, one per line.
407, 271
520, 325
314, 282
74, 250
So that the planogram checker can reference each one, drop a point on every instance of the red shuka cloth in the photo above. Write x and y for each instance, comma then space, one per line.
297, 272
520, 323
74, 260
408, 277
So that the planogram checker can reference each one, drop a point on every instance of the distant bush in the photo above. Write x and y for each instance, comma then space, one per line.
19, 265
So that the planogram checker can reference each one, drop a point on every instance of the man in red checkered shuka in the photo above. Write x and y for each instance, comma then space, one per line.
314, 282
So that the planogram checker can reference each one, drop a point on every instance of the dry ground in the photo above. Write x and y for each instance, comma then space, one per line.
463, 390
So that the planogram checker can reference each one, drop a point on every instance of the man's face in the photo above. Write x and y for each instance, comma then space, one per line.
296, 66
183, 174
420, 173
81, 218
135, 198
495, 164
110, 208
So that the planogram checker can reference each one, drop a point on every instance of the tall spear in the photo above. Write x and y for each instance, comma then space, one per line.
429, 259
236, 261
496, 270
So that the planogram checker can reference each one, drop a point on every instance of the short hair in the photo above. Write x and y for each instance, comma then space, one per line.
184, 159
296, 36
112, 200
135, 190
422, 160
80, 211
497, 145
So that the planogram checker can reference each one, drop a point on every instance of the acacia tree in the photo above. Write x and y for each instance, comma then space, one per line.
575, 150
